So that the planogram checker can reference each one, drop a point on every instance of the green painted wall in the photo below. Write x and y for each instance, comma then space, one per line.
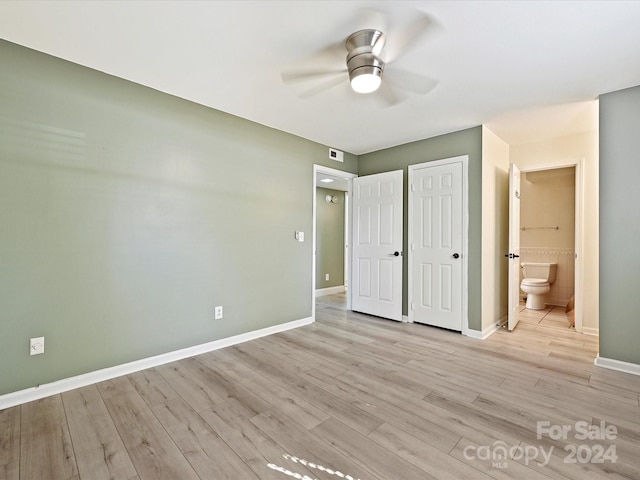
329, 239
619, 225
465, 142
127, 214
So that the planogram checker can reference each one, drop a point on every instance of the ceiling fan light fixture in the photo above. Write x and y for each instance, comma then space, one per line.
363, 63
366, 79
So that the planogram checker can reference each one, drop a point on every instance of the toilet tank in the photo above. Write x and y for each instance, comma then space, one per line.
546, 271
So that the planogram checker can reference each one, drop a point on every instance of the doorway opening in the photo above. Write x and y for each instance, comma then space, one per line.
551, 233
331, 233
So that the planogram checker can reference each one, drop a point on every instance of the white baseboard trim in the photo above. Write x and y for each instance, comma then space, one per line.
590, 331
474, 334
41, 391
487, 332
321, 292
611, 364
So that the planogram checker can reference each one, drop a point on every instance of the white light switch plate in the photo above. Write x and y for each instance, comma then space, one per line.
36, 346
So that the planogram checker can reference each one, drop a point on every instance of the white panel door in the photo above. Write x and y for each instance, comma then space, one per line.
514, 245
436, 216
377, 245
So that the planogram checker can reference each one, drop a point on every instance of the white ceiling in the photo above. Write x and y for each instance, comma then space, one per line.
528, 70
334, 182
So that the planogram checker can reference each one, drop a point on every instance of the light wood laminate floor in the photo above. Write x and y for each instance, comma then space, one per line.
349, 397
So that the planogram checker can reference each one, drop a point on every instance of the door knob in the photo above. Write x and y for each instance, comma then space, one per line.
456, 255
396, 254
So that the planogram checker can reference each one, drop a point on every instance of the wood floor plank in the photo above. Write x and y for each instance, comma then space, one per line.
99, 450
203, 448
303, 359
198, 395
621, 380
603, 399
10, 443
46, 450
421, 348
424, 456
512, 371
368, 453
470, 375
152, 387
154, 455
292, 405
301, 443
318, 397
254, 447
535, 362
440, 384
343, 336
306, 342
400, 409
494, 425
233, 392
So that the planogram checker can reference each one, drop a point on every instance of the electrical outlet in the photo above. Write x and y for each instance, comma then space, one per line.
326, 277
300, 236
218, 312
36, 346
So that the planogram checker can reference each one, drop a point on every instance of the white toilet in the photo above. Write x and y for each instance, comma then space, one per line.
537, 281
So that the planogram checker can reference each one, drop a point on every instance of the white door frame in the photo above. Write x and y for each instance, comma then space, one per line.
347, 245
579, 229
348, 232
465, 235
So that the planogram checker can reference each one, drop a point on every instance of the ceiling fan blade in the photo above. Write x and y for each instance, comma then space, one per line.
327, 59
386, 96
371, 18
331, 55
326, 65
305, 75
324, 86
404, 39
412, 82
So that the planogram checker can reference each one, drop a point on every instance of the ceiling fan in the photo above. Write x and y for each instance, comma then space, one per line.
368, 58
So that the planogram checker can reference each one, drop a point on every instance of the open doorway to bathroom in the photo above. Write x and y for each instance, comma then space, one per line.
548, 230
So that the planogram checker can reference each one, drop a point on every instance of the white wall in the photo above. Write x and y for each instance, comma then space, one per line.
579, 147
495, 228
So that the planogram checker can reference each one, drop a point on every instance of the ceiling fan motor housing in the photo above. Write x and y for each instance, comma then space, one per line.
364, 46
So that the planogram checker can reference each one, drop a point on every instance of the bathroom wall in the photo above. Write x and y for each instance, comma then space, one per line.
548, 199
